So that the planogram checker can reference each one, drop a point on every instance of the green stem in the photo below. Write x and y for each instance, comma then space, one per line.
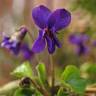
52, 73
40, 88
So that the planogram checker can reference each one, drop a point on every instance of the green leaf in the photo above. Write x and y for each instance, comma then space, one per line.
23, 70
88, 5
89, 68
89, 71
23, 92
62, 93
71, 77
70, 72
42, 73
78, 85
37, 93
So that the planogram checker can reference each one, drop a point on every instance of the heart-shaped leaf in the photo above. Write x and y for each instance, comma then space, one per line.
23, 70
71, 77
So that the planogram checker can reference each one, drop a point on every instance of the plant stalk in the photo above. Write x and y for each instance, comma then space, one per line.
40, 88
32, 41
52, 73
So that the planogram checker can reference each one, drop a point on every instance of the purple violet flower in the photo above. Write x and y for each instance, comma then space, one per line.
80, 41
13, 43
26, 52
49, 24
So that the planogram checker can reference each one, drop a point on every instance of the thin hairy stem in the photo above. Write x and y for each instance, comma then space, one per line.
40, 88
30, 34
52, 73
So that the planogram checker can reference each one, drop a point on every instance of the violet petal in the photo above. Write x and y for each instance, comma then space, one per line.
59, 19
39, 44
57, 41
50, 45
40, 15
26, 52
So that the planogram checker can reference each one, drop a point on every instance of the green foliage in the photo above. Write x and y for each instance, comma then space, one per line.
89, 72
70, 72
42, 76
89, 5
71, 77
24, 92
42, 73
37, 93
62, 93
89, 68
23, 70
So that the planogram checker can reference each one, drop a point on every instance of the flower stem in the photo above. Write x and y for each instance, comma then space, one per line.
40, 88
52, 73
37, 59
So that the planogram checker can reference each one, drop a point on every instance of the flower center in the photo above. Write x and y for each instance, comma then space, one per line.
48, 33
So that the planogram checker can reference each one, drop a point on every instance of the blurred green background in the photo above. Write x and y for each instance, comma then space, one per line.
14, 13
